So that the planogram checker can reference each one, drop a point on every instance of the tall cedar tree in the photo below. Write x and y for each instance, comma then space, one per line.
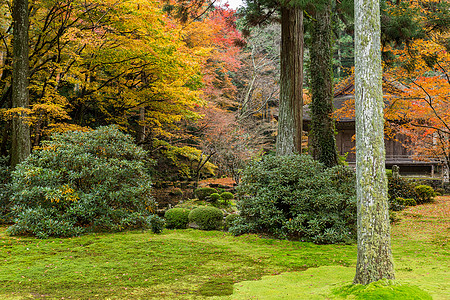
374, 260
290, 116
21, 143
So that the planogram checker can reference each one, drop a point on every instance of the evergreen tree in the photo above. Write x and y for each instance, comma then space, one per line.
374, 260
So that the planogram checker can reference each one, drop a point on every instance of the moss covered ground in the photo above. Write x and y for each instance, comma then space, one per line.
192, 264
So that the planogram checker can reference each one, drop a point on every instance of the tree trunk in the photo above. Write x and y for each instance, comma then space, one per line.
322, 138
21, 140
289, 138
374, 243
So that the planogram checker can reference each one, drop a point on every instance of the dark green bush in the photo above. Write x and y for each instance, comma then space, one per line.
203, 193
425, 194
396, 204
156, 223
409, 202
400, 187
177, 218
229, 220
441, 191
227, 196
296, 197
214, 197
82, 181
207, 217
5, 191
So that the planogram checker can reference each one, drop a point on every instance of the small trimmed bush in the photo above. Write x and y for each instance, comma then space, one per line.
177, 218
396, 204
156, 223
79, 182
227, 196
214, 197
204, 193
425, 193
409, 202
207, 217
400, 187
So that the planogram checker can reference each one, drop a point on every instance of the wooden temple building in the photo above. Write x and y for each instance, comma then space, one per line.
396, 152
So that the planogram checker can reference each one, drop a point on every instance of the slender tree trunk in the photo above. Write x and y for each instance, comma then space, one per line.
21, 140
289, 138
322, 139
374, 243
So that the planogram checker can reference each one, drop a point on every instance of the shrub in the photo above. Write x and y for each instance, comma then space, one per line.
156, 223
441, 191
82, 181
296, 197
203, 193
5, 191
207, 217
229, 220
425, 194
400, 187
177, 218
396, 204
214, 197
227, 196
409, 202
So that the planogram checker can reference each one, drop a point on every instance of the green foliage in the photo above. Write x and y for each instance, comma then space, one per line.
297, 197
229, 220
156, 223
400, 187
5, 191
207, 217
177, 218
383, 290
425, 193
214, 197
409, 202
82, 181
441, 191
204, 193
227, 196
397, 204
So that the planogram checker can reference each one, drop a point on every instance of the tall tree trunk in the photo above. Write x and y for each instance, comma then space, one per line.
374, 260
322, 139
21, 141
289, 138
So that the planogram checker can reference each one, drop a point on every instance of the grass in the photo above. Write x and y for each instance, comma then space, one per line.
192, 264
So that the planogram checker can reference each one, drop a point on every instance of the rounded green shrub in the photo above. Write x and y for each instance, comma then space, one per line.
229, 220
177, 218
396, 204
204, 193
214, 197
298, 198
82, 181
400, 187
207, 217
409, 202
227, 196
156, 223
425, 193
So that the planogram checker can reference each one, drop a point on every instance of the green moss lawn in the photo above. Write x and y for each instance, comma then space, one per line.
191, 264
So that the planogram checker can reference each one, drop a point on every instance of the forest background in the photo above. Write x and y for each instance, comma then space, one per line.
197, 93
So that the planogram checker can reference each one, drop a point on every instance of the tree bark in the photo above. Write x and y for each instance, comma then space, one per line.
289, 138
322, 135
374, 260
21, 140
